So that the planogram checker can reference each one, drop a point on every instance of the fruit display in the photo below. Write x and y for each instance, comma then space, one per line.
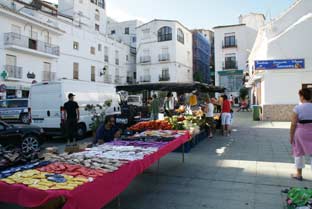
151, 125
45, 181
71, 170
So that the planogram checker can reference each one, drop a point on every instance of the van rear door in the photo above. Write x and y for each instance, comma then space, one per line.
45, 104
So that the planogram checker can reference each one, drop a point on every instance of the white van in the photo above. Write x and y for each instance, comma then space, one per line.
46, 102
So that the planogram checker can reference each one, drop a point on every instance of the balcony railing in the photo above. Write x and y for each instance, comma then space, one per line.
132, 50
229, 45
14, 71
230, 65
164, 78
48, 76
145, 79
118, 79
29, 43
164, 57
117, 61
145, 59
106, 59
130, 80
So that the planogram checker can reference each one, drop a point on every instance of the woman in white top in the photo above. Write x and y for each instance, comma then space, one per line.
209, 108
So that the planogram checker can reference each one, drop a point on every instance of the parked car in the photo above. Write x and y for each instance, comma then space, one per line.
14, 110
25, 136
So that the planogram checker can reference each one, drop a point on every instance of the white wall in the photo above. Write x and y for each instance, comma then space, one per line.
180, 66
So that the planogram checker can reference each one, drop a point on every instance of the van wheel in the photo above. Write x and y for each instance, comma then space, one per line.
24, 118
81, 131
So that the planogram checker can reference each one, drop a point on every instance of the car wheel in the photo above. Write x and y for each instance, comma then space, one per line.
25, 118
30, 143
81, 131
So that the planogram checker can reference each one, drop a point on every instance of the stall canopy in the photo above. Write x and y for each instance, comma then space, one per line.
173, 87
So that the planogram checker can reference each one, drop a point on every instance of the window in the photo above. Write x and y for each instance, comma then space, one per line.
180, 36
134, 39
97, 15
165, 73
81, 1
127, 31
97, 27
229, 40
165, 34
47, 67
101, 3
230, 62
113, 32
16, 30
127, 58
10, 60
106, 54
34, 35
117, 57
146, 33
76, 71
99, 47
92, 50
47, 38
75, 45
93, 73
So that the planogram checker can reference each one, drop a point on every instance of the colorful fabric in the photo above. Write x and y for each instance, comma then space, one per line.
102, 190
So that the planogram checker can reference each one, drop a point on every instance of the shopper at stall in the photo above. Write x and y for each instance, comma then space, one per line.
226, 116
155, 108
209, 109
108, 131
72, 116
169, 104
301, 131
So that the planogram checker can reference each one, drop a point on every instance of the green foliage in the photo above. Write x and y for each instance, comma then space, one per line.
243, 93
98, 113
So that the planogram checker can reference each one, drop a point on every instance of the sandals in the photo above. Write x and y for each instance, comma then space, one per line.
298, 178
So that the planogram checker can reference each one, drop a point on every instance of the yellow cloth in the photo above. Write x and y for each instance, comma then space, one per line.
193, 100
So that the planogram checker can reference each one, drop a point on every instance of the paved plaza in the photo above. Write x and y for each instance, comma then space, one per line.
246, 170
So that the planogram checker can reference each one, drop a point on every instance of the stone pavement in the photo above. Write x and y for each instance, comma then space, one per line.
246, 170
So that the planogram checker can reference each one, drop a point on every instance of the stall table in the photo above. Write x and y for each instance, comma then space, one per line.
93, 195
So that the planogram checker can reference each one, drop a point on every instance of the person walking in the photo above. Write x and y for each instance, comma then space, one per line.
169, 104
72, 116
301, 131
226, 116
155, 108
209, 109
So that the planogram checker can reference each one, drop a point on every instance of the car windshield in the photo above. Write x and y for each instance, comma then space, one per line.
13, 103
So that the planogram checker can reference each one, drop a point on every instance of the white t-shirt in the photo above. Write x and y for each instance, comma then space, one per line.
209, 113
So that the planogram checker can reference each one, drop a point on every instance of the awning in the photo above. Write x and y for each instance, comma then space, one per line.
173, 87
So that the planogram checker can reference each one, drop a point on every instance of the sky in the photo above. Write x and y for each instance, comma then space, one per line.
193, 13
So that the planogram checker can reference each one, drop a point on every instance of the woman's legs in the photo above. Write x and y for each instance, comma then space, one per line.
300, 164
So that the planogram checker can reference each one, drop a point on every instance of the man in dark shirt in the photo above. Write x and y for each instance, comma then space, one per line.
72, 117
108, 131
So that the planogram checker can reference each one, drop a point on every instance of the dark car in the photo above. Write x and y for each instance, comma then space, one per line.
27, 137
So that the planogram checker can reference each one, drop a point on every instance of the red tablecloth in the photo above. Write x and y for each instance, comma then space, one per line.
92, 195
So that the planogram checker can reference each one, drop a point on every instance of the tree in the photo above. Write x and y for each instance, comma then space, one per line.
243, 93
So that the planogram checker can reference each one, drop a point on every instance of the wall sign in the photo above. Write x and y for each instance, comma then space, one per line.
3, 88
4, 75
279, 64
31, 75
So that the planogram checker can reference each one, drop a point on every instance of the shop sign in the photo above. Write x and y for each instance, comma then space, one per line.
31, 75
3, 88
4, 74
279, 64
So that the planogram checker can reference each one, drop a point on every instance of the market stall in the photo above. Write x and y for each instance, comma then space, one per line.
102, 172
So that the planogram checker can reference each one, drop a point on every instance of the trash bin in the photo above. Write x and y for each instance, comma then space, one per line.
257, 112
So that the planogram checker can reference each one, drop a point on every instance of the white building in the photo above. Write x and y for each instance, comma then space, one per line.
164, 52
125, 32
233, 44
42, 43
279, 75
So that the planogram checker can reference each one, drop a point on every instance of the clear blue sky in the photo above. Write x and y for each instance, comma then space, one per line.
194, 13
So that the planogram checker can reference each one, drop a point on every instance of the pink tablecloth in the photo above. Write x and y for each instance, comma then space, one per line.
93, 195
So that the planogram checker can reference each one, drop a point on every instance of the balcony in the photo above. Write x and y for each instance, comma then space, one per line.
145, 79
164, 57
106, 59
118, 79
164, 78
230, 65
132, 50
229, 45
117, 61
145, 59
16, 41
14, 72
48, 76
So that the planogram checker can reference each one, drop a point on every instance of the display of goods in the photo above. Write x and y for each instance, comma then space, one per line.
90, 161
72, 170
151, 125
12, 170
299, 197
181, 109
45, 181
